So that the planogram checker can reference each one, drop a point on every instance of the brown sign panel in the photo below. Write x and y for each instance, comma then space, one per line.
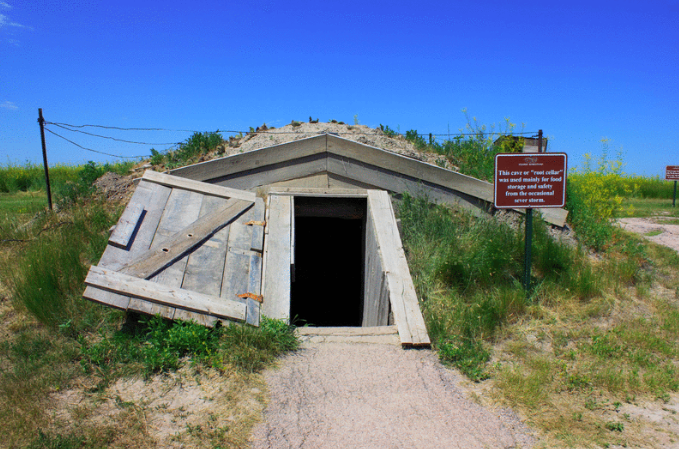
672, 172
526, 181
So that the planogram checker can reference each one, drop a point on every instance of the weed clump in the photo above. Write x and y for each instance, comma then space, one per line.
189, 151
159, 345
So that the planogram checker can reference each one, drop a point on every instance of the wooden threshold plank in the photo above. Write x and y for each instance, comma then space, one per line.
347, 331
197, 186
163, 295
177, 246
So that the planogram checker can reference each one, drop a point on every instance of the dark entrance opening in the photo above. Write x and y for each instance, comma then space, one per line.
327, 281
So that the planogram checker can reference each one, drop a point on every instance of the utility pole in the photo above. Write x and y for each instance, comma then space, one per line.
41, 121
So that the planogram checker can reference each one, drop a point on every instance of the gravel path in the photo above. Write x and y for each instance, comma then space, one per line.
665, 234
356, 395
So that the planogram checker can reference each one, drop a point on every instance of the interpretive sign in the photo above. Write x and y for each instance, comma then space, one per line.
672, 172
529, 181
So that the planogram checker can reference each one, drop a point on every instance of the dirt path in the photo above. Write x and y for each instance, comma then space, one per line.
357, 395
665, 234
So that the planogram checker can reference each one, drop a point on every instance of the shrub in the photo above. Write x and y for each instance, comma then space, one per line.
593, 200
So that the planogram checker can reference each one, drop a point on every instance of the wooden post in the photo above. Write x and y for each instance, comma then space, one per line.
674, 198
539, 141
41, 121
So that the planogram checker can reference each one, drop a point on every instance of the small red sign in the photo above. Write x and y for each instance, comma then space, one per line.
672, 172
525, 181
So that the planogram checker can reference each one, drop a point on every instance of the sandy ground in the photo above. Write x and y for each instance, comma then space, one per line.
357, 395
667, 234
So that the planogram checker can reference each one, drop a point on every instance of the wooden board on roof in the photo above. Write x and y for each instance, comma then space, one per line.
252, 160
399, 183
395, 162
196, 186
295, 169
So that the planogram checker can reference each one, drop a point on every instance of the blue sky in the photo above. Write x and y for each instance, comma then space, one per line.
581, 71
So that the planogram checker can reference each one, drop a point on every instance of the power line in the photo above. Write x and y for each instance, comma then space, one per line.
90, 149
113, 138
268, 131
121, 129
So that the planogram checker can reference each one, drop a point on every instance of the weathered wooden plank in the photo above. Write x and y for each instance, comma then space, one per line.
277, 269
404, 303
410, 167
373, 278
154, 197
240, 234
383, 309
164, 295
266, 236
205, 266
255, 274
337, 182
183, 208
165, 253
282, 171
329, 192
395, 182
106, 298
151, 308
257, 243
254, 287
253, 159
236, 277
122, 234
319, 180
554, 216
197, 186
199, 318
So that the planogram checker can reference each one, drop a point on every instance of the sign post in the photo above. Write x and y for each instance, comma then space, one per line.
672, 174
525, 181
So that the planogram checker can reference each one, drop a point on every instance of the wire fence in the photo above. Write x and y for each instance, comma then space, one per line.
79, 129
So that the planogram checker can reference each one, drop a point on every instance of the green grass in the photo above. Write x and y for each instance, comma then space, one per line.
22, 203
189, 151
31, 177
149, 345
468, 273
648, 207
